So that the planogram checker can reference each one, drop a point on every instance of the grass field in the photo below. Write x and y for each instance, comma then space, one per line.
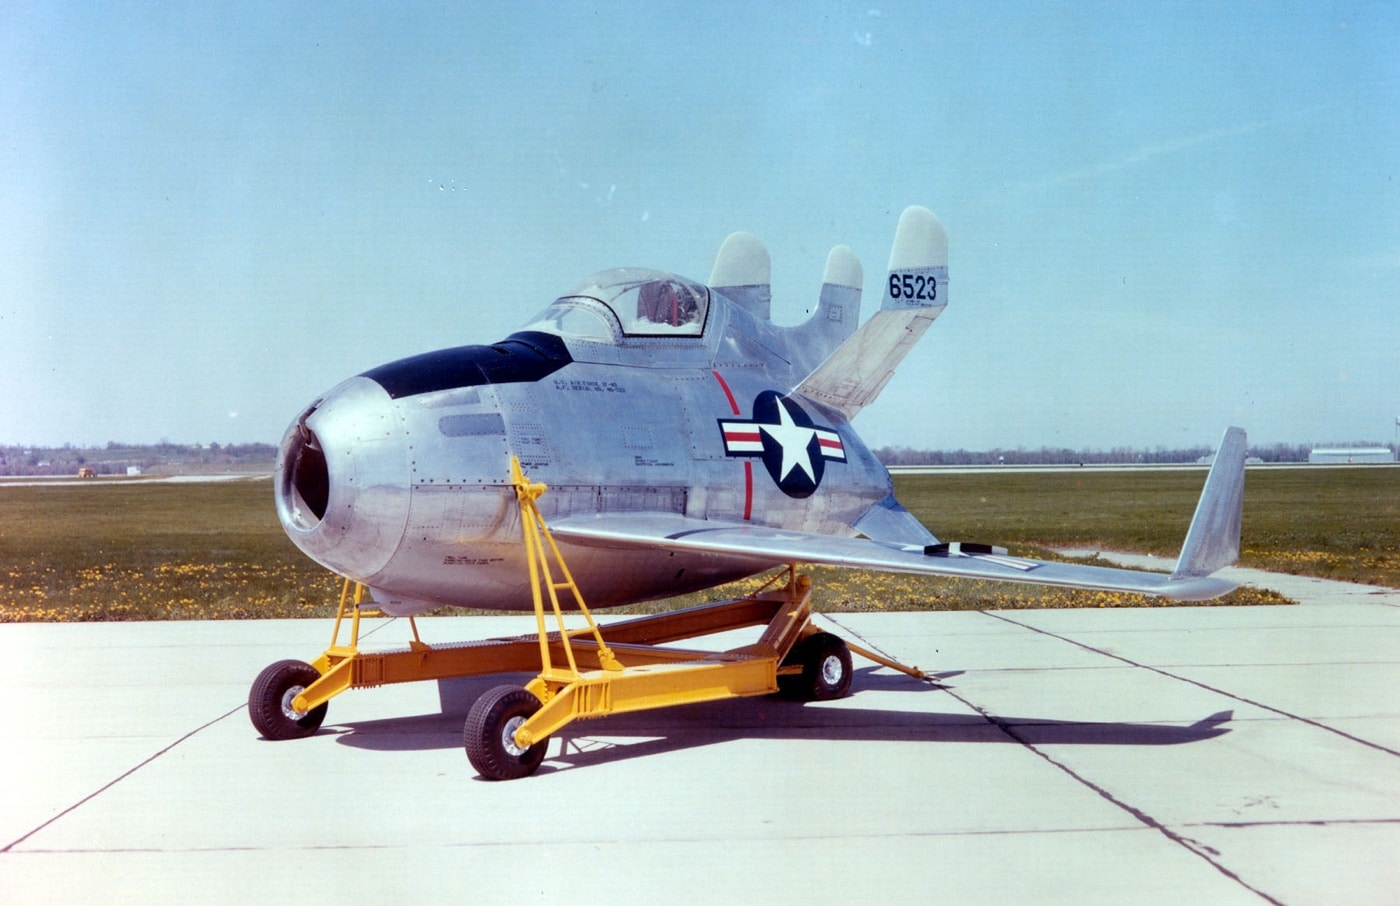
1336, 523
121, 551
114, 551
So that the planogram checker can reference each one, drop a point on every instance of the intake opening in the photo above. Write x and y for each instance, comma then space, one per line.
307, 482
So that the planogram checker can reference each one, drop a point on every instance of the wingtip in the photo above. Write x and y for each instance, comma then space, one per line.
1213, 541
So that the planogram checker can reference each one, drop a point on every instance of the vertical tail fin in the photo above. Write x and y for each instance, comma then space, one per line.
916, 292
837, 314
742, 272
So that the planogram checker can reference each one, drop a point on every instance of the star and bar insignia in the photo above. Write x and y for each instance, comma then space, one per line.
794, 449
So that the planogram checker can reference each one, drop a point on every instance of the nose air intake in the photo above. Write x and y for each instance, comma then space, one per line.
306, 483
343, 480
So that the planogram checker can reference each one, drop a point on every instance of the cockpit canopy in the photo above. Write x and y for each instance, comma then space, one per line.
643, 303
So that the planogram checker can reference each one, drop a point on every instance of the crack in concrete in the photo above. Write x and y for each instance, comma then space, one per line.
120, 777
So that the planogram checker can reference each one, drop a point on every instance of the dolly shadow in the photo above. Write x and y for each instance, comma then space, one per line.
711, 723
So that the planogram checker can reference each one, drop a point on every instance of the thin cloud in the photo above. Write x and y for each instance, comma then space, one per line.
1165, 148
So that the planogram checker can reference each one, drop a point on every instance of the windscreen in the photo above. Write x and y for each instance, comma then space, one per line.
645, 303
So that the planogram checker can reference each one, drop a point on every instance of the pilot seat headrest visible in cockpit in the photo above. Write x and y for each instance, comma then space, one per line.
667, 302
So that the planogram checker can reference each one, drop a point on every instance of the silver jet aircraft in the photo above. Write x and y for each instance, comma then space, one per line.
685, 440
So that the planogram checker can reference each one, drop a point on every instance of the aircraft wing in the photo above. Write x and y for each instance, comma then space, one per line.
770, 547
1213, 541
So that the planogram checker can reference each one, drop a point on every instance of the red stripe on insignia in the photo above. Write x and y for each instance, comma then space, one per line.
733, 435
830, 444
733, 404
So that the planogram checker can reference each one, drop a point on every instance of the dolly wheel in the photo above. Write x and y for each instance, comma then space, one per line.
270, 701
489, 734
826, 669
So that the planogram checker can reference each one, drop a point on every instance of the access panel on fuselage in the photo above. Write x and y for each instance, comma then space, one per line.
602, 427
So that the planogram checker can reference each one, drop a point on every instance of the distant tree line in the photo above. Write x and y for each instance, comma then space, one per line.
167, 458
1055, 456
117, 458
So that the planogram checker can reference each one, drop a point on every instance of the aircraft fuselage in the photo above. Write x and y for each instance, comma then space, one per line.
398, 478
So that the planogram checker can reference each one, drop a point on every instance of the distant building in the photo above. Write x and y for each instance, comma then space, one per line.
87, 472
133, 470
1344, 455
1209, 460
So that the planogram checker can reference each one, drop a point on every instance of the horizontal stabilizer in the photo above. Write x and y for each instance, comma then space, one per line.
916, 291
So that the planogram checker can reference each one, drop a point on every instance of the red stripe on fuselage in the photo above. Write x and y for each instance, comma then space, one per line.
724, 385
748, 464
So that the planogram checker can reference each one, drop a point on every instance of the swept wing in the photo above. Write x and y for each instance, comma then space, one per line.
1212, 542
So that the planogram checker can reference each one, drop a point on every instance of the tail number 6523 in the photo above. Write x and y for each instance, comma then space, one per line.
919, 287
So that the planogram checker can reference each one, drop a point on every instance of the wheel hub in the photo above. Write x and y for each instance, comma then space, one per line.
508, 736
831, 670
287, 698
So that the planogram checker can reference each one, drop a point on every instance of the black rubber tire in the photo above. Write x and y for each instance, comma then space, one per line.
489, 732
826, 669
270, 700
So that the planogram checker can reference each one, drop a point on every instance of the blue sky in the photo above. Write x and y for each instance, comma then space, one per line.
1164, 218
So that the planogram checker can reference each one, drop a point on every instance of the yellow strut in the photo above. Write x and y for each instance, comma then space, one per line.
537, 535
567, 693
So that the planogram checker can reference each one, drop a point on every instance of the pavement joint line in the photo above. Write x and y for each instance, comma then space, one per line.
591, 842
9, 847
929, 676
1200, 685
1302, 822
1243, 665
1195, 847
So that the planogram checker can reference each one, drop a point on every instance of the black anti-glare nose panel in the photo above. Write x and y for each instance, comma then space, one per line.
523, 357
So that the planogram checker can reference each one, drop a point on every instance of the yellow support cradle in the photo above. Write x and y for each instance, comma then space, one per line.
629, 665
506, 732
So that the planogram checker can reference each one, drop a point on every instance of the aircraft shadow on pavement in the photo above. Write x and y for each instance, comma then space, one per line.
711, 723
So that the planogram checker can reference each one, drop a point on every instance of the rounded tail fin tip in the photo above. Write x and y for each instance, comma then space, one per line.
843, 268
919, 241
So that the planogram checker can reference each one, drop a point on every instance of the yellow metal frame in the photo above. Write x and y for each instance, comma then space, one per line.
673, 677
567, 693
582, 672
537, 536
